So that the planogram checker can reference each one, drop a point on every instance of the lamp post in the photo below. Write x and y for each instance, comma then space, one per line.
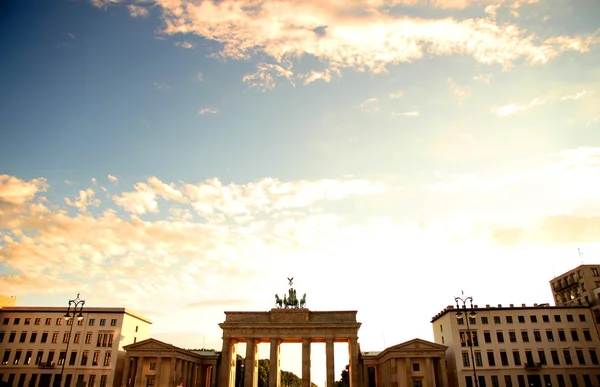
74, 310
472, 313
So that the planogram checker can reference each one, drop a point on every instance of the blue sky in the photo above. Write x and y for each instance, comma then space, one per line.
182, 157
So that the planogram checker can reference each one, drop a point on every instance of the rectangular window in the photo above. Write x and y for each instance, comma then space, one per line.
478, 359
99, 341
6, 356
547, 381
512, 337
503, 358
84, 358
533, 319
555, 359
92, 381
570, 318
495, 381
91, 322
27, 321
525, 336
465, 359
582, 317
484, 320
95, 358
550, 336
23, 337
561, 335
593, 356
561, 380
487, 337
537, 336
17, 357
481, 380
12, 336
33, 337
102, 322
44, 337
500, 337
517, 358
107, 359
573, 380
50, 358
587, 381
66, 338
529, 357
507, 381
73, 358
567, 355
38, 321
113, 322
70, 321
17, 321
104, 378
574, 335
5, 321
469, 381
460, 321
472, 320
545, 318
496, 319
39, 357
521, 319
28, 356
77, 338
542, 356
110, 340
88, 338
586, 335
153, 365
48, 321
80, 322
491, 359
557, 318
105, 340
55, 337
59, 321
509, 320
62, 356
150, 382
521, 380
580, 358
2, 336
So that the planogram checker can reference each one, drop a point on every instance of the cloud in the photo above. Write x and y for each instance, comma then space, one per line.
94, 181
359, 34
397, 94
413, 113
103, 4
185, 44
265, 75
16, 194
321, 75
113, 179
370, 105
484, 78
514, 108
138, 11
576, 96
207, 110
461, 92
83, 200
161, 86
199, 77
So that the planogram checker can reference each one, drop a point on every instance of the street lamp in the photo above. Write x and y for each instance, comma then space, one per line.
75, 310
471, 313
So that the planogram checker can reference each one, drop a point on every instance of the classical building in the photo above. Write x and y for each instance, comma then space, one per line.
34, 344
535, 346
579, 286
415, 363
152, 363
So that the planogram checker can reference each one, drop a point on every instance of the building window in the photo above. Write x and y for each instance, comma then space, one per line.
44, 337
70, 321
39, 357
533, 319
582, 317
150, 382
521, 319
512, 336
487, 337
84, 358
80, 322
136, 328
496, 319
542, 356
503, 358
593, 356
17, 321
48, 321
472, 320
460, 321
550, 336
567, 355
110, 340
508, 381
91, 322
478, 359
491, 359
66, 338
517, 358
17, 357
561, 380
547, 381
586, 335
561, 335
33, 337
587, 381
6, 357
28, 356
465, 359
77, 338
495, 381
537, 336
103, 379
500, 337
570, 318
529, 357
464, 339
574, 335
12, 336
62, 356
102, 322
481, 380
484, 320
55, 337
59, 321
23, 337
595, 272
521, 380
5, 321
545, 318
152, 365
580, 358
557, 318
27, 321
554, 355
95, 358
73, 358
50, 358
468, 381
92, 381
88, 338
416, 367
107, 359
113, 322
2, 336
573, 379
525, 336
509, 319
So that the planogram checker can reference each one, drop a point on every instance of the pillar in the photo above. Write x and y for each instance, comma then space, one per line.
213, 375
157, 371
227, 376
306, 362
330, 364
274, 371
408, 365
138, 372
251, 363
353, 362
444, 372
125, 380
429, 372
365, 380
201, 378
173, 373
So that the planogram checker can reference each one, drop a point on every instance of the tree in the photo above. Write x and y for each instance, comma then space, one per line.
345, 378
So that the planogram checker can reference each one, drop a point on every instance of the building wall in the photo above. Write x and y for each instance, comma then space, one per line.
97, 324
447, 331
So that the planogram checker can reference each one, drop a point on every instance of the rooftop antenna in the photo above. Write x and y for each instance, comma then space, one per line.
580, 254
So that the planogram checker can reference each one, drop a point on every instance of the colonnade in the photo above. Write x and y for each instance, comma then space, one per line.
400, 372
190, 373
228, 363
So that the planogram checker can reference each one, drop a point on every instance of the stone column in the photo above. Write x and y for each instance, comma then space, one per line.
173, 373
274, 370
184, 370
444, 372
213, 375
201, 378
227, 364
138, 372
330, 363
429, 372
376, 368
126, 370
353, 361
251, 363
366, 376
157, 372
408, 365
306, 362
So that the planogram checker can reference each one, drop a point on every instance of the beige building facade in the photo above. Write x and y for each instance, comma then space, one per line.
579, 286
519, 346
33, 342
152, 363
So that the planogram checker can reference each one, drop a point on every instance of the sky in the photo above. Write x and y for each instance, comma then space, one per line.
182, 158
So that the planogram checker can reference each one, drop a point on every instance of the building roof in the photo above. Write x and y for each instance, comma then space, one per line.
61, 309
451, 308
572, 271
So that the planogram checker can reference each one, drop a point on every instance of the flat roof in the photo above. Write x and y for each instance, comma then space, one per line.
61, 309
451, 308
573, 270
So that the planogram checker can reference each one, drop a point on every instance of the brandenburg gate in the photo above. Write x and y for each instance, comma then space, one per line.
288, 322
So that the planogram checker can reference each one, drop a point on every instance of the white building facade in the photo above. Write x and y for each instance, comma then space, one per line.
535, 346
34, 340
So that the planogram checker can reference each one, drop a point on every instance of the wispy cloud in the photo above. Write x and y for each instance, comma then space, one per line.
576, 96
514, 108
370, 105
413, 113
113, 179
103, 4
198, 77
396, 95
265, 75
484, 78
138, 11
185, 44
207, 110
461, 92
161, 86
